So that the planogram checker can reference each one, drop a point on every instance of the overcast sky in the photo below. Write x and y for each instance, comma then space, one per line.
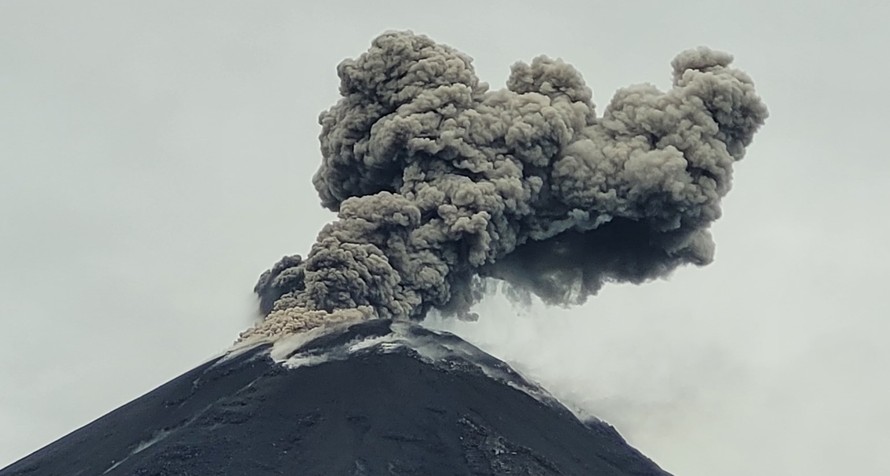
155, 157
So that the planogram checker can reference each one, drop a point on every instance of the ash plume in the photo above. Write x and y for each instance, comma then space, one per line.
440, 182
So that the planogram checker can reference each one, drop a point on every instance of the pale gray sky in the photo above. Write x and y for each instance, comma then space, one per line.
155, 157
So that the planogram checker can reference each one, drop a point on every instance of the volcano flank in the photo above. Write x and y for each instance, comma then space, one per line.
375, 398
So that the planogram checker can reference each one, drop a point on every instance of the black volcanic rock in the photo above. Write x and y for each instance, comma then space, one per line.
377, 398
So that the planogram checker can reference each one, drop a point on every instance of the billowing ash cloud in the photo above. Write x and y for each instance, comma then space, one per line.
440, 182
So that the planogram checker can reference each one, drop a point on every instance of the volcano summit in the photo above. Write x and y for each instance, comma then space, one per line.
375, 398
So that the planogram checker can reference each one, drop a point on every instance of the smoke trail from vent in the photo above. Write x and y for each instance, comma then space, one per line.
440, 182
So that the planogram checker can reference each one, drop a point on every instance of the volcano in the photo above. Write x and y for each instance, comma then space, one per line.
379, 397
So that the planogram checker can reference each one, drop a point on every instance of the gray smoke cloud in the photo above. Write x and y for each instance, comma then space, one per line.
440, 182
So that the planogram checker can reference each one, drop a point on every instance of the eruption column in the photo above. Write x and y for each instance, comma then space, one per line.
440, 182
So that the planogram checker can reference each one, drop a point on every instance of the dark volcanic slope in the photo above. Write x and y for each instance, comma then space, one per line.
373, 402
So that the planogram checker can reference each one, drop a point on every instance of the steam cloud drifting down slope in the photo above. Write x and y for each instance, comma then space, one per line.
439, 182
